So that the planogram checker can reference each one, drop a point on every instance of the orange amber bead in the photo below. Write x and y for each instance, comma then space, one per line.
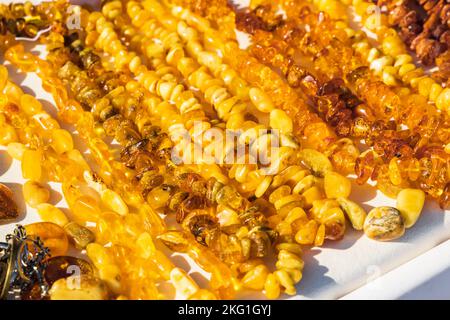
52, 235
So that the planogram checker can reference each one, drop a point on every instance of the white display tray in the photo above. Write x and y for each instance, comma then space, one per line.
331, 272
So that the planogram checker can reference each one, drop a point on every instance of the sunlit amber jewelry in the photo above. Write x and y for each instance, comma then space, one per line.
307, 126
423, 27
341, 117
27, 20
121, 280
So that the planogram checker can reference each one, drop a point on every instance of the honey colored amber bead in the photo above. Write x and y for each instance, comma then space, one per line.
8, 207
65, 266
80, 235
3, 77
52, 235
114, 202
7, 134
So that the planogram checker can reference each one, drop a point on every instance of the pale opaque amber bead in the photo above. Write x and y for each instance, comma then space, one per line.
61, 141
84, 287
35, 193
279, 120
31, 164
255, 279
410, 204
30, 105
272, 287
50, 213
261, 100
16, 150
336, 185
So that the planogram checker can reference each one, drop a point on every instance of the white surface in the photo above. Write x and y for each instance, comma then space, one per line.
330, 272
425, 277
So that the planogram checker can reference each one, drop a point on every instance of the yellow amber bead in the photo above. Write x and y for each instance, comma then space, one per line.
61, 141
87, 288
410, 203
30, 105
336, 185
320, 236
425, 86
307, 233
31, 165
255, 279
272, 287
16, 150
3, 77
114, 202
435, 91
312, 194
7, 134
85, 209
184, 285
443, 100
281, 121
261, 100
34, 193
50, 213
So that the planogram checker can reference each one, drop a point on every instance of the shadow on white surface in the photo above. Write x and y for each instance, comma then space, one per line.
437, 288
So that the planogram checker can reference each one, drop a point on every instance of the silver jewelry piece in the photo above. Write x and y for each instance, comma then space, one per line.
22, 265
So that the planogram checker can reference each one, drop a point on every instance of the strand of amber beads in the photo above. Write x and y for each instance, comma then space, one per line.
281, 263
122, 227
390, 177
96, 69
333, 99
71, 112
178, 189
264, 185
41, 137
421, 26
244, 237
27, 20
436, 190
396, 60
308, 127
